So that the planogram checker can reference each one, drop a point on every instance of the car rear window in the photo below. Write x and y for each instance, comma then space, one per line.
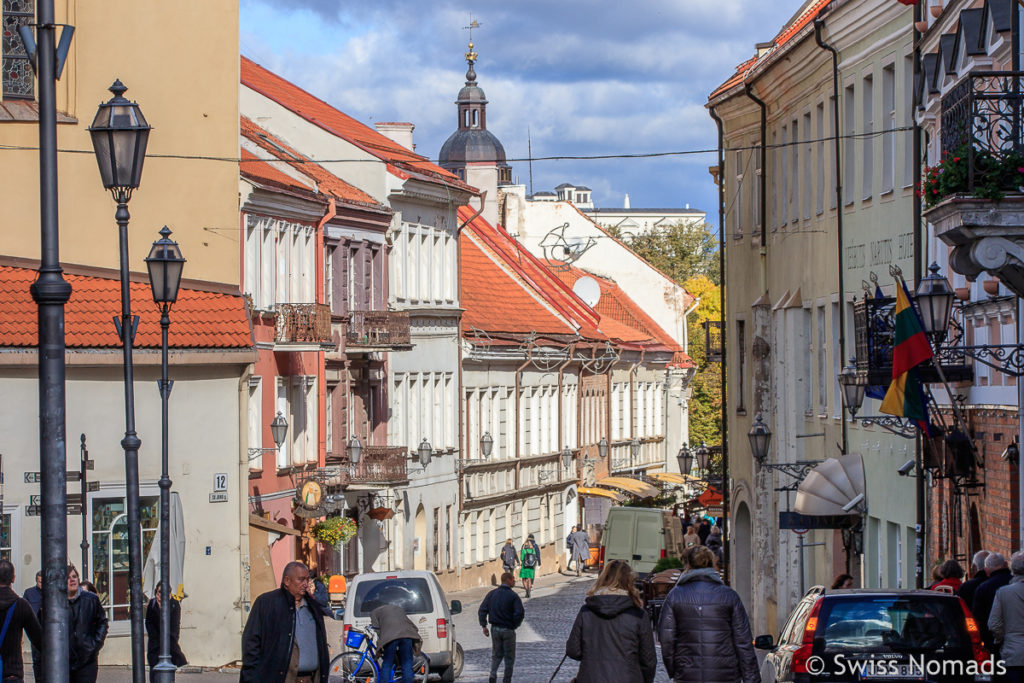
898, 623
412, 594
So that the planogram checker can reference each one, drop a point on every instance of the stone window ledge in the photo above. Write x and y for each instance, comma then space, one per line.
26, 110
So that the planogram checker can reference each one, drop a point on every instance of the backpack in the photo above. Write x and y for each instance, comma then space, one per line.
530, 559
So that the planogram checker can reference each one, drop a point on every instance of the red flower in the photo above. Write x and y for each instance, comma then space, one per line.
956, 158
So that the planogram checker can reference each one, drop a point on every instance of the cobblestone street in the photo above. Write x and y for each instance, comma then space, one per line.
540, 641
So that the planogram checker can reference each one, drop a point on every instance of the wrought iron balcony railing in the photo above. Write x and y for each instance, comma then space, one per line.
982, 118
378, 465
377, 329
303, 323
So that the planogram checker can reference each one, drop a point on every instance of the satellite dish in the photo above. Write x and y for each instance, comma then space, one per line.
587, 289
835, 487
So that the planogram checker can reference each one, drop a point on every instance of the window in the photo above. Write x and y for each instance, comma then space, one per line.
889, 117
908, 138
868, 141
794, 174
756, 205
738, 210
282, 407
784, 178
808, 149
819, 123
833, 166
741, 349
774, 154
849, 147
278, 262
256, 420
837, 364
805, 363
109, 547
820, 353
6, 538
18, 79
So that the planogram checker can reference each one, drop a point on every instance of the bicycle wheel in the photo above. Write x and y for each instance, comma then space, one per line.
352, 667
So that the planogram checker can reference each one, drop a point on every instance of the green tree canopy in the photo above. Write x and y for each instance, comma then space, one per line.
681, 250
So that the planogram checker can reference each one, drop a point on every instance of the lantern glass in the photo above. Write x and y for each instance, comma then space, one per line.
487, 444
119, 137
165, 264
634, 447
934, 299
279, 428
760, 437
685, 459
424, 451
853, 390
566, 457
703, 457
602, 447
354, 449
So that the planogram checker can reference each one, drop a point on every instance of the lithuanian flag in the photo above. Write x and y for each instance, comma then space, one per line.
910, 348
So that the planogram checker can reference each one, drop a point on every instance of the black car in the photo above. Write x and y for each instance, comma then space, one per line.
877, 635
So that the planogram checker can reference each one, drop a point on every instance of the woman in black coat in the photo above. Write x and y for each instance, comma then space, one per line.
153, 632
612, 636
704, 631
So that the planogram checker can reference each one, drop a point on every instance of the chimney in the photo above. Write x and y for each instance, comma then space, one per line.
399, 131
625, 205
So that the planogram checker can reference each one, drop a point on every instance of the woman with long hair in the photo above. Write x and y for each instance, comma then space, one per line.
612, 637
704, 631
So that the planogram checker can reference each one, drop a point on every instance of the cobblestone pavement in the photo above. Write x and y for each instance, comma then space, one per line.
540, 641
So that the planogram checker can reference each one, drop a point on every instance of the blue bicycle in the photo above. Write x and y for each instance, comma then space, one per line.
362, 662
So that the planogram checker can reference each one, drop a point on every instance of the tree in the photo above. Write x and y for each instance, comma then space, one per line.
681, 250
706, 386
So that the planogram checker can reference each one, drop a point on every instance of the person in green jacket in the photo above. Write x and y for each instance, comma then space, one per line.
529, 558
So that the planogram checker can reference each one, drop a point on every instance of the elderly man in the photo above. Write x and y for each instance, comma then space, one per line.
998, 576
1006, 622
978, 577
284, 638
579, 548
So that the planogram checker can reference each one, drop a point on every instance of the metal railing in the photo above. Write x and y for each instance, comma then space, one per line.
377, 329
378, 465
303, 323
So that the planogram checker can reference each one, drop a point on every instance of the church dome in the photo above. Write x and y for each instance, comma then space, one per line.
470, 145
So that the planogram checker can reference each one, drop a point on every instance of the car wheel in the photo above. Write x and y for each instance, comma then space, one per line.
448, 675
459, 661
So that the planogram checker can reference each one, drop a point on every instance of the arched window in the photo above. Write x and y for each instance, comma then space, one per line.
476, 118
465, 117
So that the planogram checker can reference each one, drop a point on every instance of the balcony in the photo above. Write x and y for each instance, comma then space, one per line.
303, 324
975, 203
378, 465
377, 331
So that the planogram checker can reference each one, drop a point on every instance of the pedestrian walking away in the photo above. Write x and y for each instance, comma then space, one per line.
16, 617
612, 637
529, 558
704, 530
998, 576
1006, 621
284, 637
968, 588
950, 577
398, 635
704, 631
503, 609
843, 581
87, 630
34, 596
714, 543
579, 548
153, 624
509, 556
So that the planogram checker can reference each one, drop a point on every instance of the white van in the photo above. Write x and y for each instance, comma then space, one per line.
420, 595
640, 537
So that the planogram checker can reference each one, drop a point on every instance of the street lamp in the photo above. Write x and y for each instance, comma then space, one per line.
703, 458
634, 447
278, 429
566, 457
354, 450
853, 389
602, 448
119, 135
760, 436
934, 299
424, 451
165, 264
486, 444
685, 459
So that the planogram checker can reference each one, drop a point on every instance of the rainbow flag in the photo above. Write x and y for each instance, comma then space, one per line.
910, 348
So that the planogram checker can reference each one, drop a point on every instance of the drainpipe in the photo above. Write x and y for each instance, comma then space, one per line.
321, 370
727, 535
763, 209
819, 24
919, 483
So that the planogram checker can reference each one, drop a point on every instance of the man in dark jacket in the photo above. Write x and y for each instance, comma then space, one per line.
704, 530
978, 577
579, 548
509, 556
87, 630
16, 615
284, 636
704, 631
153, 624
34, 596
503, 608
998, 576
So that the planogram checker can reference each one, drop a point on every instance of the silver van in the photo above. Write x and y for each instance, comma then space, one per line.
640, 537
420, 595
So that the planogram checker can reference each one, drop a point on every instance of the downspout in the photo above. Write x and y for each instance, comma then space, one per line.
763, 209
321, 369
722, 366
919, 491
818, 26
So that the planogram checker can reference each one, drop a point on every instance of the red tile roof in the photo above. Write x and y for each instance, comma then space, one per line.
273, 148
401, 162
199, 320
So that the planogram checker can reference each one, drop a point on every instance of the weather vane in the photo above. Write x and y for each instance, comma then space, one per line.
473, 23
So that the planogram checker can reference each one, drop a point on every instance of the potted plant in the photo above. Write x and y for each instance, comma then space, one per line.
335, 531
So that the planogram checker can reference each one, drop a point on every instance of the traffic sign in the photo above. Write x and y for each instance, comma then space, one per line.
36, 477
93, 486
36, 510
35, 500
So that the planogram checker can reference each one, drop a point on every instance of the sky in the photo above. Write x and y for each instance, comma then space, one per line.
576, 77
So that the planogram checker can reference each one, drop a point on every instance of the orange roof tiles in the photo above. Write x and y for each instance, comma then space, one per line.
199, 319
401, 162
318, 177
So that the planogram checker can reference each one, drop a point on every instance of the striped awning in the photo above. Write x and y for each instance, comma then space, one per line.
604, 493
672, 477
634, 486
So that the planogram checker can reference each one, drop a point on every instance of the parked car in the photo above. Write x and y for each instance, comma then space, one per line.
420, 595
640, 537
869, 635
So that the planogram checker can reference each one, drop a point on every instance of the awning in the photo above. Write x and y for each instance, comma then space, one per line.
671, 477
604, 493
634, 486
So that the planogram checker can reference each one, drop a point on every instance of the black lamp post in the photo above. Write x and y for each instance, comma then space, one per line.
853, 389
423, 451
934, 299
119, 136
685, 459
486, 444
703, 458
165, 264
760, 436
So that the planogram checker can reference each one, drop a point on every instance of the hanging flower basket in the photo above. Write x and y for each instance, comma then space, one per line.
335, 531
